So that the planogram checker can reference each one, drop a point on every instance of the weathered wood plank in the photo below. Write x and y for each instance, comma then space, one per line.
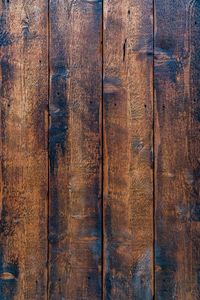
128, 135
75, 151
177, 149
23, 149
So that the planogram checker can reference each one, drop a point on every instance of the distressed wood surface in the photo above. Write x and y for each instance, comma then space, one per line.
23, 149
128, 135
177, 149
75, 150
88, 149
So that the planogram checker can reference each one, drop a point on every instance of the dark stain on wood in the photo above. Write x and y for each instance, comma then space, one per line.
58, 114
137, 145
25, 28
9, 273
194, 205
7, 224
5, 2
166, 268
6, 38
7, 70
121, 155
142, 279
58, 118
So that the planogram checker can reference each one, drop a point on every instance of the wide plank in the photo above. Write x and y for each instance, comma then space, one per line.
128, 149
23, 149
74, 149
177, 149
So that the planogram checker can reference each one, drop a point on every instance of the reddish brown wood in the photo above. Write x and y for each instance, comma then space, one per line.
75, 151
128, 135
92, 235
177, 149
23, 149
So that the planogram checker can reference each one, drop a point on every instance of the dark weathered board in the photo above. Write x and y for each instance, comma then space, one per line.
107, 163
127, 152
177, 149
75, 150
23, 149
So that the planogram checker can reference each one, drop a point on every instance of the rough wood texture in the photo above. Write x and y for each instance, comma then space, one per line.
23, 149
75, 151
69, 158
177, 107
128, 173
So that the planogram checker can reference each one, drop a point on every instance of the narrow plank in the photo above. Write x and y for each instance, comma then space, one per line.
128, 135
75, 150
23, 149
177, 146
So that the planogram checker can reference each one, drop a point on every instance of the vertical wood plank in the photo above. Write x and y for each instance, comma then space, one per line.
177, 108
74, 148
128, 135
23, 149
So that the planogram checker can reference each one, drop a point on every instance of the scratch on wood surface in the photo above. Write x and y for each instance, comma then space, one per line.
189, 12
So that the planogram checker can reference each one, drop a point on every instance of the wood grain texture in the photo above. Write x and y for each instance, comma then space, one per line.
177, 149
128, 134
59, 139
23, 149
75, 151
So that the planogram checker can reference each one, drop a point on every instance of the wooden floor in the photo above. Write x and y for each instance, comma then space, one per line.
100, 149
